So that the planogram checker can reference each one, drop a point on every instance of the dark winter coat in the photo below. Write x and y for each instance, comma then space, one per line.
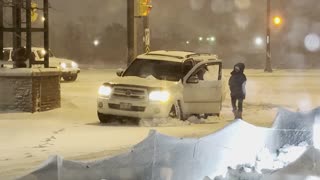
237, 81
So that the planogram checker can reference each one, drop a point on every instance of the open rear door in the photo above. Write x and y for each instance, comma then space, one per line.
202, 88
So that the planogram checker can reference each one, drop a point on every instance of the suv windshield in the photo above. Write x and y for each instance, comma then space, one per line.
42, 52
162, 70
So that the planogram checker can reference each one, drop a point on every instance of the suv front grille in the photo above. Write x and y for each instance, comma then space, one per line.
132, 108
129, 93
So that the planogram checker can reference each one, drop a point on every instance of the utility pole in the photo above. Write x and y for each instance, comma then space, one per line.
131, 31
146, 37
268, 40
1, 30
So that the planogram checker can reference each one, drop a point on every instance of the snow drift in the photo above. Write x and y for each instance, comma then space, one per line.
162, 157
306, 167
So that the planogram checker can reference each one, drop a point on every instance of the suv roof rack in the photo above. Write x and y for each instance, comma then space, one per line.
167, 55
201, 54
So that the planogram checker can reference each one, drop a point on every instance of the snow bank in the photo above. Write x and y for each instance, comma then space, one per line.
292, 128
233, 152
306, 167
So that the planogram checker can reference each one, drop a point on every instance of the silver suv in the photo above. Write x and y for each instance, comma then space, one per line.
163, 84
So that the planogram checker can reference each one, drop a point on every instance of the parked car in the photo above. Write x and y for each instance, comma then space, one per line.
163, 84
69, 69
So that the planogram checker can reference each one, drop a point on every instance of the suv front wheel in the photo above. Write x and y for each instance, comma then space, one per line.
70, 78
176, 112
104, 118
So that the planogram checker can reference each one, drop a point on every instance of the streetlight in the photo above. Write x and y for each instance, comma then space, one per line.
96, 42
258, 41
200, 38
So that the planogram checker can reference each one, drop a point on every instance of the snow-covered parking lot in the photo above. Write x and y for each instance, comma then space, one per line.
74, 131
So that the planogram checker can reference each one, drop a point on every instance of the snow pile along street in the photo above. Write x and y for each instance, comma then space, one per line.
240, 150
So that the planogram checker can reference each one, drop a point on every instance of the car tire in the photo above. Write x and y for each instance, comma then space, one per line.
104, 118
176, 112
129, 121
70, 78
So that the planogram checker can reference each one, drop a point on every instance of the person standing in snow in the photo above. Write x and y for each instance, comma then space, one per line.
237, 83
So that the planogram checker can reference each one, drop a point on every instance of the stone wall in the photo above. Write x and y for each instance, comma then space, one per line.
29, 90
46, 92
15, 93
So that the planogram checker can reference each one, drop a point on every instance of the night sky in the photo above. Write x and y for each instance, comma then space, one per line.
234, 23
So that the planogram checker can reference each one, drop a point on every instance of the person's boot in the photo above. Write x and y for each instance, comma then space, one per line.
235, 114
239, 115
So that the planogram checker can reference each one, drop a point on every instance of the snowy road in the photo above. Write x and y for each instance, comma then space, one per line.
74, 132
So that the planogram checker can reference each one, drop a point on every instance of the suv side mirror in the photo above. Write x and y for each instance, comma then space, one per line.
193, 79
120, 72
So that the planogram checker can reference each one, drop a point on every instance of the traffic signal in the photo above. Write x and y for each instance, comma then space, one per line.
34, 14
143, 7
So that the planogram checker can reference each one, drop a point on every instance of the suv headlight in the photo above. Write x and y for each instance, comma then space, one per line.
105, 91
63, 65
162, 96
74, 65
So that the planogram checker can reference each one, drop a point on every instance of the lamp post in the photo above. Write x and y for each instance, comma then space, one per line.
268, 41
